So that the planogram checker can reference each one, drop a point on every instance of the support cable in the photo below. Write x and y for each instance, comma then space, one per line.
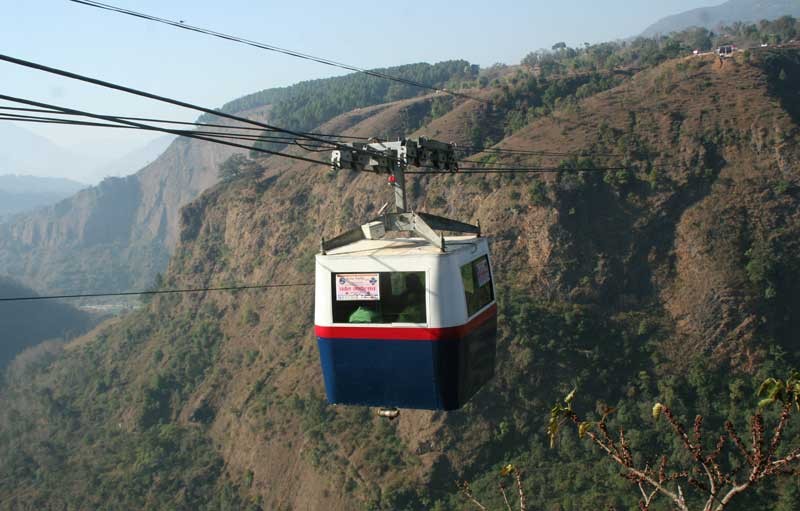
148, 95
270, 47
153, 292
217, 134
155, 128
514, 170
184, 123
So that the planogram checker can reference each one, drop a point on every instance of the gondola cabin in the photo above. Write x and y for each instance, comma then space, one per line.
402, 323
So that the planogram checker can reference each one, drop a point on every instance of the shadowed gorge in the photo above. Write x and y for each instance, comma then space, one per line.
26, 324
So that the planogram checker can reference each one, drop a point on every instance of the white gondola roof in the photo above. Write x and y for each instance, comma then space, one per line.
401, 247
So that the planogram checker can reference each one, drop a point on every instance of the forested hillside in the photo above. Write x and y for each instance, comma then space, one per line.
674, 280
306, 105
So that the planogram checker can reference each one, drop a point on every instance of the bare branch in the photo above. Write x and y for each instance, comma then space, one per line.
637, 474
647, 498
505, 497
698, 428
695, 448
523, 504
681, 500
720, 485
738, 442
732, 493
789, 458
467, 491
776, 437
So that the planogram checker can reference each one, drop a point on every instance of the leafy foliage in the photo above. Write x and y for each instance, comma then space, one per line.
236, 166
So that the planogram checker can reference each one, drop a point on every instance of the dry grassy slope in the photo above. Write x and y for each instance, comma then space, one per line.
393, 120
455, 125
694, 114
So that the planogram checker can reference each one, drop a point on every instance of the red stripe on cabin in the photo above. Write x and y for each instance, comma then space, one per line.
388, 333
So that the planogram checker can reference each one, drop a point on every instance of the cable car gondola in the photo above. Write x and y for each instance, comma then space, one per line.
406, 322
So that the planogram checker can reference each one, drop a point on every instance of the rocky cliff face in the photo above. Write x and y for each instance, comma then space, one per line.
681, 267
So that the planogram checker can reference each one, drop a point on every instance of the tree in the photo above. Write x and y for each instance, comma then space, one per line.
710, 472
699, 39
234, 167
559, 46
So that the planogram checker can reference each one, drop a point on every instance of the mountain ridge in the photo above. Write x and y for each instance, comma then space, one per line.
29, 153
19, 193
724, 14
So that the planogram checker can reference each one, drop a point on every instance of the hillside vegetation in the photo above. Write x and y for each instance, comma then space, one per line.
308, 104
674, 280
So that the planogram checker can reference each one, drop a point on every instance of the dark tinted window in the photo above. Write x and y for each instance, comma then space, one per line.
477, 279
379, 297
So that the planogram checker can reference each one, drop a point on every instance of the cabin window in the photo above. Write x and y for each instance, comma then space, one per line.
379, 297
477, 279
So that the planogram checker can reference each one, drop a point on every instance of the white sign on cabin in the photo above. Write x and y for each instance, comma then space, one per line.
358, 287
482, 269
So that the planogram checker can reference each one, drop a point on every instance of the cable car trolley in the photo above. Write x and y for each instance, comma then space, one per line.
405, 322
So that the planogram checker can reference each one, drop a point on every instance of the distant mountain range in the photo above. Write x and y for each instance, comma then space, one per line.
24, 193
127, 164
23, 152
725, 14
19, 184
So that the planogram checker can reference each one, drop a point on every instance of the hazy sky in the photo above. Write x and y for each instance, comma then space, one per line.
210, 72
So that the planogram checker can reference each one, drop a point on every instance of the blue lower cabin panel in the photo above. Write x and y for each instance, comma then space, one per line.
433, 375
403, 374
477, 352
